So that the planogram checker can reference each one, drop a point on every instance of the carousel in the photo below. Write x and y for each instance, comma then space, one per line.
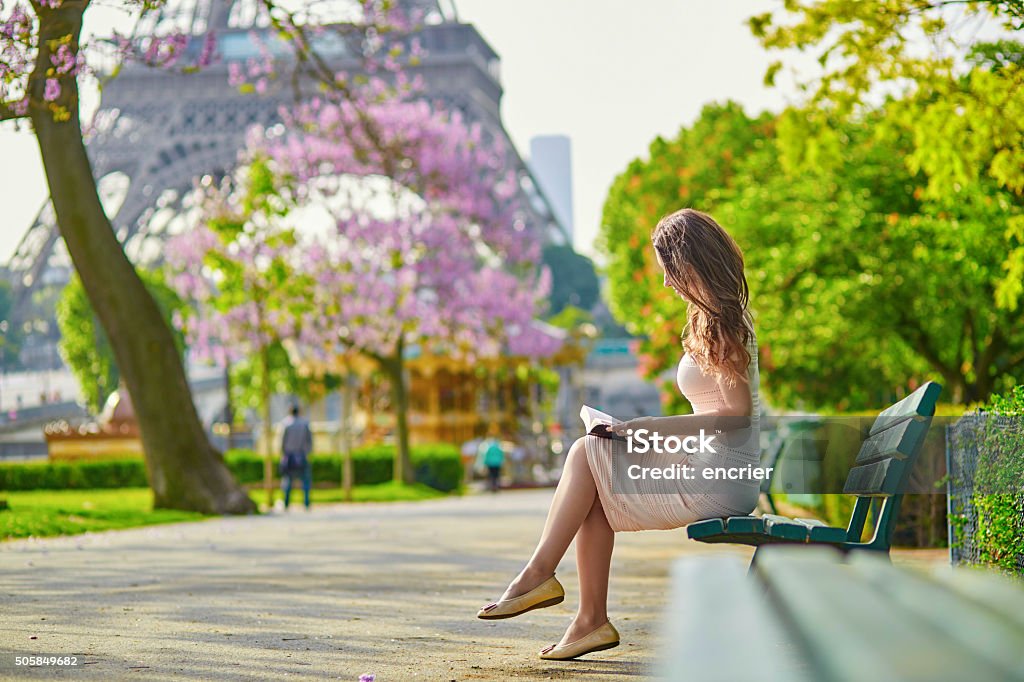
115, 434
451, 400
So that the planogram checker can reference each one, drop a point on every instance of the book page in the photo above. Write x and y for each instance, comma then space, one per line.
590, 417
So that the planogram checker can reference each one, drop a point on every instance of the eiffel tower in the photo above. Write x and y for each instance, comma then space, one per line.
156, 131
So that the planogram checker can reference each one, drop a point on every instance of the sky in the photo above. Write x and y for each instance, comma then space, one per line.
610, 74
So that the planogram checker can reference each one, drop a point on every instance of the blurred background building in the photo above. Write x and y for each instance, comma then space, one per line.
551, 163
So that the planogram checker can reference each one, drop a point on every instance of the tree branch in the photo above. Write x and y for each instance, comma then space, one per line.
322, 72
8, 114
970, 335
919, 339
365, 351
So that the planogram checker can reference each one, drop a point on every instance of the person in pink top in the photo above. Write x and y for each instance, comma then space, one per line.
595, 498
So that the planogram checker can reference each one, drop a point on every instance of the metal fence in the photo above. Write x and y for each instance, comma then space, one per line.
977, 442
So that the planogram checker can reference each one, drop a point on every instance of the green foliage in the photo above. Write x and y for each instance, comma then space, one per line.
998, 498
247, 380
861, 284
438, 466
570, 317
960, 101
10, 336
84, 345
573, 279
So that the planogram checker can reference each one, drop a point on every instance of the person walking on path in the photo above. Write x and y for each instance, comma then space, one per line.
491, 455
296, 444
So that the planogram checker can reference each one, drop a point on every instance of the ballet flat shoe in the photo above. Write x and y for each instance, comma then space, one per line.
605, 637
548, 593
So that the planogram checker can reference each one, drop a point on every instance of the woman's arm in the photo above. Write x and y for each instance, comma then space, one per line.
734, 414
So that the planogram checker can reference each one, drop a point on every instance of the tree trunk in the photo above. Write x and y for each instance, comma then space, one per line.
229, 410
346, 437
395, 368
185, 470
268, 433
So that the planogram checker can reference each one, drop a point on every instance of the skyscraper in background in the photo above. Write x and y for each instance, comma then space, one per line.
551, 163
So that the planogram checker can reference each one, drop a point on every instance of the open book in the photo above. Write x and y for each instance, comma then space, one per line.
597, 423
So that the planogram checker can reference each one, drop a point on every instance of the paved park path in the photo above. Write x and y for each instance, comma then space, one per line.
389, 589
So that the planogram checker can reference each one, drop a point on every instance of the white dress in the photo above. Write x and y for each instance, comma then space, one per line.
665, 504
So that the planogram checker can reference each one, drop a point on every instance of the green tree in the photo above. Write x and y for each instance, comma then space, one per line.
862, 284
573, 279
84, 345
961, 100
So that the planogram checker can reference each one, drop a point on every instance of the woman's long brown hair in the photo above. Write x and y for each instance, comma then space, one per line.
706, 265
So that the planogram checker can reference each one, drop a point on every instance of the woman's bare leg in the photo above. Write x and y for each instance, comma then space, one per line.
594, 543
573, 501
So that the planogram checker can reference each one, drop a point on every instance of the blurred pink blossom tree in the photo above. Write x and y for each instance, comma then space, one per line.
426, 246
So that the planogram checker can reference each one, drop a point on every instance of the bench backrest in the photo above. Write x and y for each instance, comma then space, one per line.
884, 462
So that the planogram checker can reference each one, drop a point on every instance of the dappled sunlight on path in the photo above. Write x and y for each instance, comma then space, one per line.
390, 589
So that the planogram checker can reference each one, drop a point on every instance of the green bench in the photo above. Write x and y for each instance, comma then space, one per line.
815, 614
883, 466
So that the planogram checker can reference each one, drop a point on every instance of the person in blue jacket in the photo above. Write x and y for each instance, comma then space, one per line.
491, 455
296, 444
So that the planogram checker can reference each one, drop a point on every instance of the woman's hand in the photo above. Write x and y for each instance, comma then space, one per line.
623, 428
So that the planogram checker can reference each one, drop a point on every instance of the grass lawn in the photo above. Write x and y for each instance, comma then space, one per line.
42, 513
381, 492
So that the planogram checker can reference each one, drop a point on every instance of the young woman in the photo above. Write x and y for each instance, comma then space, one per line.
595, 498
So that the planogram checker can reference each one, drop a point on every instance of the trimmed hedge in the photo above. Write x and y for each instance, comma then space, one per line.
109, 473
438, 466
997, 500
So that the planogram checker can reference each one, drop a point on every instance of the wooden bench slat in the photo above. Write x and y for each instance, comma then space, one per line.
978, 628
920, 403
875, 479
785, 528
819, 531
851, 631
757, 530
744, 524
703, 529
719, 627
992, 589
899, 442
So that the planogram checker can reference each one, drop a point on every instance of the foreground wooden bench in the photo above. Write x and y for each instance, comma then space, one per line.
880, 473
803, 615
